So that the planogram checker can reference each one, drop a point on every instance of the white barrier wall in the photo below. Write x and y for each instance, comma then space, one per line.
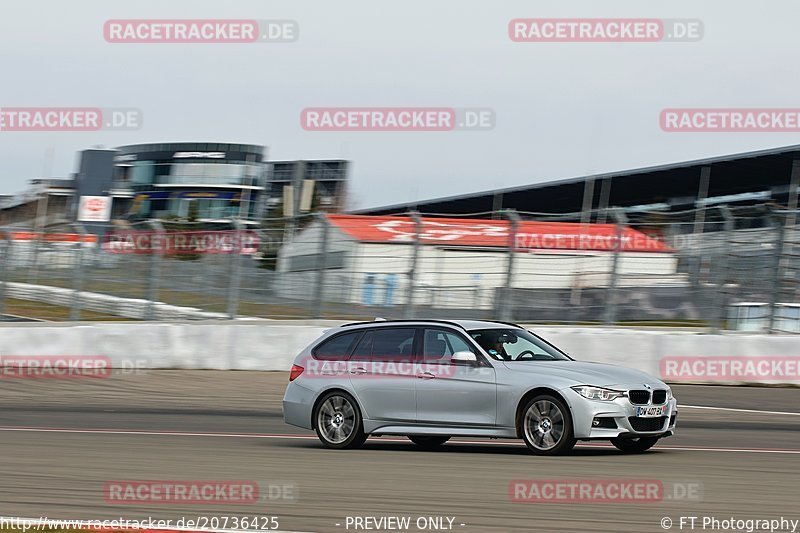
197, 345
686, 357
677, 356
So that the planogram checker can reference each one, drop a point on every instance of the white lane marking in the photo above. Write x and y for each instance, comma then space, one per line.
155, 432
25, 318
499, 442
787, 413
35, 521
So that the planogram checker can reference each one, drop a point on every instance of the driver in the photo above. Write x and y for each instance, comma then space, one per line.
492, 342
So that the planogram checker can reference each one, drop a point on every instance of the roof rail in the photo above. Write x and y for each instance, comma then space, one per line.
402, 320
503, 322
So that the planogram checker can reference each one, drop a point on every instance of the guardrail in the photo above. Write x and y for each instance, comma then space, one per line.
133, 308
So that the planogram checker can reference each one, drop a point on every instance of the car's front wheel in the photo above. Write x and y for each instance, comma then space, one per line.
338, 421
636, 445
428, 442
546, 426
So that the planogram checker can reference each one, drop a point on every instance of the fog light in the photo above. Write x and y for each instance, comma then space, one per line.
605, 422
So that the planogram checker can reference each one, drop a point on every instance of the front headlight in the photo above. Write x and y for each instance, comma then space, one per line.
669, 394
598, 393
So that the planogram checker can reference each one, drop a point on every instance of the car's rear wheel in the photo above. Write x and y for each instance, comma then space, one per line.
546, 426
428, 442
338, 421
636, 445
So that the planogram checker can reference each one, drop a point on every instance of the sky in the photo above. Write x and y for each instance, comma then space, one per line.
560, 109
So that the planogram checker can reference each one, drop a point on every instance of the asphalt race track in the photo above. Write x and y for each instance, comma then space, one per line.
63, 440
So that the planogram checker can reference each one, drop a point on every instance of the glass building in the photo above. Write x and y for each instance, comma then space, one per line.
212, 182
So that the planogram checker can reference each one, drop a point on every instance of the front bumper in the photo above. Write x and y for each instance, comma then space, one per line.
617, 418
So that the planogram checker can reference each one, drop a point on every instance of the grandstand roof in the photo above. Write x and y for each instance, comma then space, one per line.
675, 185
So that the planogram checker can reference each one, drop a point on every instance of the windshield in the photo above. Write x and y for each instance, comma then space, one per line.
509, 344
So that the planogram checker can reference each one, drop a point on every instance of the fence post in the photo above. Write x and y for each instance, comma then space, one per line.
719, 295
412, 273
4, 263
322, 264
794, 185
155, 267
506, 304
776, 269
611, 301
77, 275
32, 267
790, 251
236, 270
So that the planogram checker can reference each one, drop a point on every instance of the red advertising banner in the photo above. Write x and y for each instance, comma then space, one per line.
530, 235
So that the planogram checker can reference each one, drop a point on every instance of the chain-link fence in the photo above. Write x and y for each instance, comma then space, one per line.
719, 267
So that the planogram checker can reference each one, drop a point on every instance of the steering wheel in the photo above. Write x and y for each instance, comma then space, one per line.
533, 356
521, 355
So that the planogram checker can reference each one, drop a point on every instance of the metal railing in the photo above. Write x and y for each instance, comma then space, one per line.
738, 269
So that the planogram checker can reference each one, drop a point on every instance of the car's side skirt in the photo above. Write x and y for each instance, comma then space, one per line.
377, 427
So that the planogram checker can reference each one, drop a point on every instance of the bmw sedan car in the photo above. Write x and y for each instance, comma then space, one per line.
431, 380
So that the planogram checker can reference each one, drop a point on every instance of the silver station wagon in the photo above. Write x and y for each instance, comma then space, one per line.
431, 380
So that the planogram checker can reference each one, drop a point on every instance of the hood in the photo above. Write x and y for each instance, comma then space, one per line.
585, 373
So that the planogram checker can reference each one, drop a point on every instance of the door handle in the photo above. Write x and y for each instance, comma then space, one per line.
359, 370
426, 375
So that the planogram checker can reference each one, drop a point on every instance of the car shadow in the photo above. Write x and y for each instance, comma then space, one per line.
510, 448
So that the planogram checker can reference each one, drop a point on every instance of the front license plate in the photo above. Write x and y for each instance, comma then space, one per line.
648, 412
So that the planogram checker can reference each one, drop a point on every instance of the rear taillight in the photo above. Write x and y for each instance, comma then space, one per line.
295, 372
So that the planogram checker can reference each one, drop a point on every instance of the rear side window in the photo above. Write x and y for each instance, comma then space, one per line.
386, 344
337, 348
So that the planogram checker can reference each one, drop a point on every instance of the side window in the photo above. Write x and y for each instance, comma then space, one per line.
336, 348
386, 344
439, 344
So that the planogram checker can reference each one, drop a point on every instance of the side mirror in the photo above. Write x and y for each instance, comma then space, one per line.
465, 357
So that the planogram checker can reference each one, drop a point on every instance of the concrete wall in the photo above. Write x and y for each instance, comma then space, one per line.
223, 345
245, 345
684, 356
